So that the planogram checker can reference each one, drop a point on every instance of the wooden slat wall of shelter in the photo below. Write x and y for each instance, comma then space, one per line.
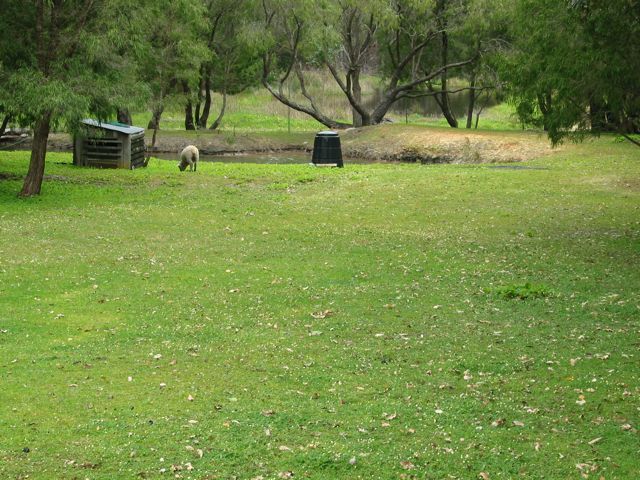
103, 152
137, 150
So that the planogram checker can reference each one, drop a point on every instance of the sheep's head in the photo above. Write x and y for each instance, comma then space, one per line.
182, 166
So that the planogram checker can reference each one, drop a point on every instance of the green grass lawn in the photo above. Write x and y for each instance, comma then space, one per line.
375, 322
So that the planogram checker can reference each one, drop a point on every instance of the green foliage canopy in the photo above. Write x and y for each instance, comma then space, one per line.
575, 65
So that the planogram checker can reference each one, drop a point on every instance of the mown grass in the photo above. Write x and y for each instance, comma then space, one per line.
262, 321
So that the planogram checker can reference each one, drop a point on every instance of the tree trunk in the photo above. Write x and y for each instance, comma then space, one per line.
153, 140
188, 109
472, 100
357, 95
544, 104
124, 116
5, 122
154, 123
33, 180
201, 95
380, 110
444, 55
188, 116
206, 108
482, 106
598, 116
216, 124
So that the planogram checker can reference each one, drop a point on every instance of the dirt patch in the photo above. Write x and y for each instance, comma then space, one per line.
426, 145
9, 176
629, 183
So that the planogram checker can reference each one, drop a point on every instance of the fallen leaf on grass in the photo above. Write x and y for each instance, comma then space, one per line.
595, 440
483, 475
498, 423
322, 314
407, 465
518, 423
285, 475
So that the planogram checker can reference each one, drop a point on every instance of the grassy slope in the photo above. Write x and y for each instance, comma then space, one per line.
207, 283
256, 110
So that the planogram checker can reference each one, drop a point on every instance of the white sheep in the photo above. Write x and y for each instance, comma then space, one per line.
189, 156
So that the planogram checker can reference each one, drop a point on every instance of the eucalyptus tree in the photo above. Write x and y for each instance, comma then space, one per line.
482, 34
172, 51
295, 37
342, 36
232, 64
62, 60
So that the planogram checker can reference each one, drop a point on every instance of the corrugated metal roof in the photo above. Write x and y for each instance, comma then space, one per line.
116, 128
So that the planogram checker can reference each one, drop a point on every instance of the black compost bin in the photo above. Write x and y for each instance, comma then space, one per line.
326, 150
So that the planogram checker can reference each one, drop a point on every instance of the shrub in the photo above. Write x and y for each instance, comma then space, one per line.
523, 291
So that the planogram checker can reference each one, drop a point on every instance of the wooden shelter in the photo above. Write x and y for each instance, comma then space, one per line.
109, 145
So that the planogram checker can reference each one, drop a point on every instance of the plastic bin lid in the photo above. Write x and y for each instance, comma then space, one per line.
327, 133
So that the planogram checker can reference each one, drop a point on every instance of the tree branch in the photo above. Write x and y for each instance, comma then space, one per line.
346, 90
426, 78
435, 93
631, 139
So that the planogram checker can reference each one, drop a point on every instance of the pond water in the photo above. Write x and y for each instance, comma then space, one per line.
280, 158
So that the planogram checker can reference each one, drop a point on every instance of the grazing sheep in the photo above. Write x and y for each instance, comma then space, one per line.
189, 156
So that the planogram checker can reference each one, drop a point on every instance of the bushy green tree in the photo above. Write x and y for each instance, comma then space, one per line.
170, 52
575, 66
63, 60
